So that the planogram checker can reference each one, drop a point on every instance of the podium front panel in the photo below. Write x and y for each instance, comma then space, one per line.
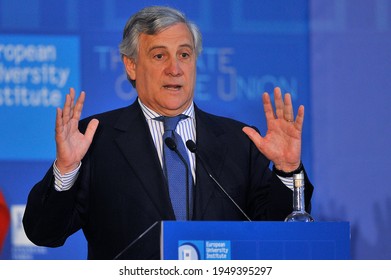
255, 240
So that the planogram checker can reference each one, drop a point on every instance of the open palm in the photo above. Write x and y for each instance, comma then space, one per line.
282, 142
71, 144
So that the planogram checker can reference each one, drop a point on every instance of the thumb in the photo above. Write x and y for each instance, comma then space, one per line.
91, 129
254, 136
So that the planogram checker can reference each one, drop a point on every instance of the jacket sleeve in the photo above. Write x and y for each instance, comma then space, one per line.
51, 216
269, 198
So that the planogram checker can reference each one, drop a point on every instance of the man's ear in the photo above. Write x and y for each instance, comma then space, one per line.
130, 67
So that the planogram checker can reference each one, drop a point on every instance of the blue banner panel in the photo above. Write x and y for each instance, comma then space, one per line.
35, 72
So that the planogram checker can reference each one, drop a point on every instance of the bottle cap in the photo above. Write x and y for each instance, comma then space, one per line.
298, 179
298, 176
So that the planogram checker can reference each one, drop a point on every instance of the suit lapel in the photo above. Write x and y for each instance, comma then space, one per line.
212, 148
137, 145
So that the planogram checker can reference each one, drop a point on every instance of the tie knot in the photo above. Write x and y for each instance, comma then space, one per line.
170, 123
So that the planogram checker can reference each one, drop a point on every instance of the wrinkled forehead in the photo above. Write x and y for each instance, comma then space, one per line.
174, 36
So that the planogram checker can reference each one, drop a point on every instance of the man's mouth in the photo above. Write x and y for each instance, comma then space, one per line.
172, 87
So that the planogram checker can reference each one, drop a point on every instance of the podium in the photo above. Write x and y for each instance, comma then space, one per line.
255, 240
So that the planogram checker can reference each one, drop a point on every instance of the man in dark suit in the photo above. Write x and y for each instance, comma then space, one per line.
109, 177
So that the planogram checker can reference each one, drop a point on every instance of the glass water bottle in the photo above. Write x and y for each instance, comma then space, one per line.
299, 214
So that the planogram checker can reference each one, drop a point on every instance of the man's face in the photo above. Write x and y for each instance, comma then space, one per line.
165, 70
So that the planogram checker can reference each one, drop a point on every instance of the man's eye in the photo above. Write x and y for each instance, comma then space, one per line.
159, 56
185, 55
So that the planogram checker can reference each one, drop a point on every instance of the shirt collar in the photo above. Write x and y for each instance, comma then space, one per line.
151, 114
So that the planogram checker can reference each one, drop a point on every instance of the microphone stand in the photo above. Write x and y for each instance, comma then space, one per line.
135, 241
193, 148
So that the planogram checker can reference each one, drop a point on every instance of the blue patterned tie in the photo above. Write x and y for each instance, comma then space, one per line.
175, 169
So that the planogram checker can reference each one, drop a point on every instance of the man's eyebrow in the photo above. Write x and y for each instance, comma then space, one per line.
187, 46
165, 47
156, 47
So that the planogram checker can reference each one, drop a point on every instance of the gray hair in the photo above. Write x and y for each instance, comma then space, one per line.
152, 20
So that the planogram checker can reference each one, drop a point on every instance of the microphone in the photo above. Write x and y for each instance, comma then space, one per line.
193, 148
173, 147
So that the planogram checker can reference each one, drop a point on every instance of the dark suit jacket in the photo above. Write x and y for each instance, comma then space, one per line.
121, 190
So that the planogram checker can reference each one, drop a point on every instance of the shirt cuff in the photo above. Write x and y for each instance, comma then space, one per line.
281, 173
66, 181
287, 181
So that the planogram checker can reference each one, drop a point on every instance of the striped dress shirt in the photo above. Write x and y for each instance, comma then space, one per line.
185, 128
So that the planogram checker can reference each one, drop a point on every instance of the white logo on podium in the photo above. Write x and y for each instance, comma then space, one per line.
18, 236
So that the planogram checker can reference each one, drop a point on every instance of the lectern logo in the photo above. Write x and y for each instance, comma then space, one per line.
204, 250
191, 250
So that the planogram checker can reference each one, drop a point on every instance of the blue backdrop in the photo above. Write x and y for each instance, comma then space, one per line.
332, 56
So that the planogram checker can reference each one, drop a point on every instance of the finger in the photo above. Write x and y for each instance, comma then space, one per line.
300, 118
288, 108
59, 121
267, 107
79, 106
91, 129
72, 95
67, 109
279, 103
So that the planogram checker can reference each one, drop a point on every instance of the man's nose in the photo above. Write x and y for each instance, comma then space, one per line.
174, 67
